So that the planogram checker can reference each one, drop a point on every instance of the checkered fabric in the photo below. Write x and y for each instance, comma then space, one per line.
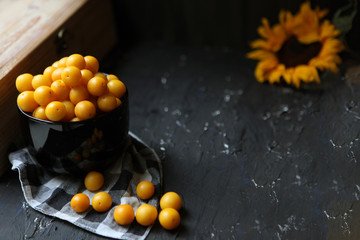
51, 193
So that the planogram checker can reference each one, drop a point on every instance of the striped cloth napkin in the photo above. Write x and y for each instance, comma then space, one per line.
50, 193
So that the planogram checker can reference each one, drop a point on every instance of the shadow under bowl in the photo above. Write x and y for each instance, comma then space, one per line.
78, 147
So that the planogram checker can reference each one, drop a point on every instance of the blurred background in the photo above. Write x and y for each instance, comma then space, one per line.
224, 23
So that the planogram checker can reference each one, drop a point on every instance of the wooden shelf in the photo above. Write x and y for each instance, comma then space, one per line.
29, 42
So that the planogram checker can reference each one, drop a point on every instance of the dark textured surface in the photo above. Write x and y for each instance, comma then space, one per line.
250, 160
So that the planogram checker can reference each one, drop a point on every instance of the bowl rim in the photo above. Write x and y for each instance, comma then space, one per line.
102, 115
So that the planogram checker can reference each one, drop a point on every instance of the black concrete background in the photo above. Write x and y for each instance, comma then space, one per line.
229, 23
250, 160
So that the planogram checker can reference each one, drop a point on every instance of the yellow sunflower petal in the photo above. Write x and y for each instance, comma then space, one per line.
307, 37
276, 74
331, 46
286, 20
307, 24
265, 29
305, 7
306, 16
331, 62
319, 63
264, 68
333, 67
326, 62
260, 55
315, 74
260, 43
273, 36
282, 17
336, 59
321, 13
328, 30
306, 74
279, 36
296, 79
288, 75
259, 72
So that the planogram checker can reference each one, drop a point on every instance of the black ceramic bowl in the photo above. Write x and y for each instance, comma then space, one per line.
78, 147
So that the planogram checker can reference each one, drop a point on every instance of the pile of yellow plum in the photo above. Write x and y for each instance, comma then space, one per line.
124, 214
71, 89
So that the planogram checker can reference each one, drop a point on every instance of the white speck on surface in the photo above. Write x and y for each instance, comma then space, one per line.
216, 113
226, 151
284, 228
229, 93
328, 216
334, 145
176, 112
266, 116
274, 196
335, 186
164, 80
257, 226
285, 108
219, 124
352, 155
178, 123
206, 125
298, 180
182, 125
256, 185
227, 98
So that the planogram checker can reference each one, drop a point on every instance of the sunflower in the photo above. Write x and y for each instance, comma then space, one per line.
296, 48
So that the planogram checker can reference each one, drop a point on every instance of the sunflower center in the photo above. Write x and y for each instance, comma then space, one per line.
294, 53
